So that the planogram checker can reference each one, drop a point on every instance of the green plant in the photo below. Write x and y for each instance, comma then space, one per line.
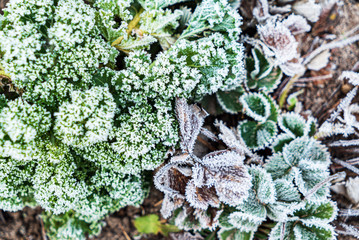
97, 85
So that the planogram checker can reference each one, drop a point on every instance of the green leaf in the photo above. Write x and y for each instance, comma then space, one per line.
313, 232
287, 230
151, 224
234, 234
310, 222
69, 226
273, 108
213, 15
280, 141
286, 191
148, 224
263, 185
256, 106
278, 167
261, 73
229, 100
293, 124
257, 135
324, 212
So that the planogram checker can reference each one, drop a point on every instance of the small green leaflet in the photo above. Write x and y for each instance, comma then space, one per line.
152, 224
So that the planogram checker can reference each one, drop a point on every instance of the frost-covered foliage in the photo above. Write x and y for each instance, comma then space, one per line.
291, 188
199, 186
97, 82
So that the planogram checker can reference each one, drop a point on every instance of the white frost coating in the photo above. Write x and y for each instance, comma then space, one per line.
308, 8
352, 76
219, 177
256, 106
87, 119
279, 40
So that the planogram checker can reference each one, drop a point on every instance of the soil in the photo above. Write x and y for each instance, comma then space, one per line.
319, 98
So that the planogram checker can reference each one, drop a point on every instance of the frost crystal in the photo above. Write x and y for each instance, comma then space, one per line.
87, 119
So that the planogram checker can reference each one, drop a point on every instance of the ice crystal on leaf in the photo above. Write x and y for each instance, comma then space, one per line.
279, 40
22, 125
310, 221
305, 162
201, 184
87, 118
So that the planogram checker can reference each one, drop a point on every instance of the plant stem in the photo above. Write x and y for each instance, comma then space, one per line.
286, 90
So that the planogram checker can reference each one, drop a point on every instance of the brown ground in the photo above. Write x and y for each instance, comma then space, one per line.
320, 97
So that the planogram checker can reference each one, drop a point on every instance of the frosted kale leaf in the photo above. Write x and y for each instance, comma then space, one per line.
218, 60
311, 221
68, 226
157, 4
57, 187
49, 74
87, 118
143, 129
21, 126
213, 15
160, 24
105, 17
16, 190
139, 27
188, 69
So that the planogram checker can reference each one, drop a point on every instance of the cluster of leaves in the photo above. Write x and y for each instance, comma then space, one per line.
98, 83
290, 188
195, 187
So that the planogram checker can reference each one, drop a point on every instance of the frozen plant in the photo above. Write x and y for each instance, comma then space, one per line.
288, 167
200, 185
94, 108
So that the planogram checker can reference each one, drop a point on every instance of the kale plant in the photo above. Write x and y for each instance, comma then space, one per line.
97, 82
